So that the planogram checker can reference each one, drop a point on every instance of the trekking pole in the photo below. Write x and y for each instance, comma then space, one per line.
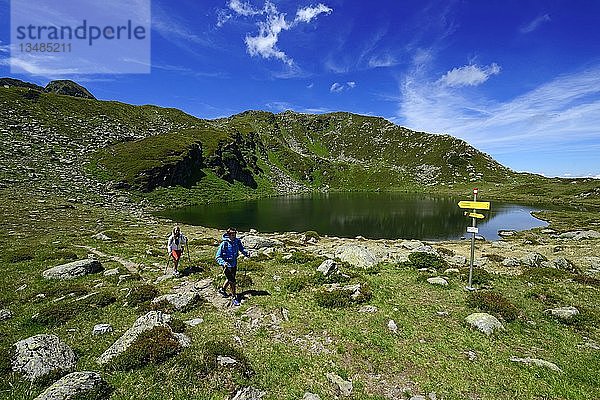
168, 261
188, 251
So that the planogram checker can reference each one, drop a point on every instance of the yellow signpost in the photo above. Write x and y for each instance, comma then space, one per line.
474, 206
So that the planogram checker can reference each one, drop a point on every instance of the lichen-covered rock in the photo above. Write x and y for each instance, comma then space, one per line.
457, 261
437, 280
358, 256
257, 242
580, 235
73, 269
101, 329
343, 386
144, 323
180, 300
248, 393
537, 362
564, 313
484, 322
5, 314
38, 356
511, 262
77, 385
327, 267
564, 265
532, 260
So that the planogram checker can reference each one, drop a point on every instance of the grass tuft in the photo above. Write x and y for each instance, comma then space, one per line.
494, 303
142, 294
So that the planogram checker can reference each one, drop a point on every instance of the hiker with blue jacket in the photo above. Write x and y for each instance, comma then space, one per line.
226, 256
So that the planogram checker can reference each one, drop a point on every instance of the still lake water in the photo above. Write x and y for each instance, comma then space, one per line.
372, 215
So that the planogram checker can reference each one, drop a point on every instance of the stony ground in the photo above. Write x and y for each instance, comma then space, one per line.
387, 319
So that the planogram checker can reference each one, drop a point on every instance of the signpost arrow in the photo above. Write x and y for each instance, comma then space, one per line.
474, 215
475, 205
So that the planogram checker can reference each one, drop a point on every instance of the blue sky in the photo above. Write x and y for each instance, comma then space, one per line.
519, 80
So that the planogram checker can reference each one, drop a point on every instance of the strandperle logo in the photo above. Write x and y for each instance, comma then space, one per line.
86, 32
80, 37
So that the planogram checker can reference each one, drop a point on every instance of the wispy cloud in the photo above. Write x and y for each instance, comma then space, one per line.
561, 113
384, 60
264, 43
536, 23
469, 75
337, 87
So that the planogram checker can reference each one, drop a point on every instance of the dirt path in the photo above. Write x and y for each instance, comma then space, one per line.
131, 266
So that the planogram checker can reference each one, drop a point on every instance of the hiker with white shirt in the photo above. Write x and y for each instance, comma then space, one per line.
175, 247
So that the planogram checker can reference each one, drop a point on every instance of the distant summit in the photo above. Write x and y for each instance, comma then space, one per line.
64, 87
68, 88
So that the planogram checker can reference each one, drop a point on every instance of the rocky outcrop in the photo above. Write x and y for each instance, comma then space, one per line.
41, 355
532, 260
181, 299
537, 362
564, 313
11, 82
77, 385
343, 387
237, 160
144, 323
359, 256
484, 322
327, 267
73, 269
257, 242
248, 393
580, 235
68, 88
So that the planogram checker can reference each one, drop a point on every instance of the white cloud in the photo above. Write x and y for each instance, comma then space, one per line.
310, 85
536, 23
469, 75
385, 60
559, 115
336, 87
307, 14
264, 43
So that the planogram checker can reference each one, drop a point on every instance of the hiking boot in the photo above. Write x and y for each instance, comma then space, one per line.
235, 302
222, 292
176, 273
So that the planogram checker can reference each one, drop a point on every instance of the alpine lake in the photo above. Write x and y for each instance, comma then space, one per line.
371, 215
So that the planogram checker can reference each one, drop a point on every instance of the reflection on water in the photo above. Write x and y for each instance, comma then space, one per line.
372, 215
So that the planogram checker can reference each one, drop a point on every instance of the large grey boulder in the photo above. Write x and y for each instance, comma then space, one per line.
73, 269
327, 267
344, 387
180, 300
77, 385
532, 260
511, 262
564, 313
39, 355
248, 393
484, 322
5, 314
437, 280
310, 396
144, 323
564, 265
257, 242
580, 235
359, 256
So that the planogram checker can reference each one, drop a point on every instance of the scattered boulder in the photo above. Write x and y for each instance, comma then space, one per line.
449, 271
564, 313
5, 314
181, 300
111, 272
225, 360
102, 236
359, 256
73, 269
511, 262
310, 396
327, 267
580, 235
344, 387
484, 322
532, 260
248, 393
77, 385
40, 355
101, 329
437, 280
144, 323
564, 265
537, 362
392, 326
506, 233
193, 322
257, 242
411, 244
368, 309
457, 261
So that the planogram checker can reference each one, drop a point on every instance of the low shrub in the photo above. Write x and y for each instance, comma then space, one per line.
19, 255
497, 258
62, 255
243, 280
59, 313
177, 325
297, 283
427, 260
538, 274
205, 241
212, 349
546, 295
142, 294
334, 298
586, 280
162, 305
494, 303
6, 355
445, 252
151, 347
250, 265
479, 277
102, 299
311, 235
